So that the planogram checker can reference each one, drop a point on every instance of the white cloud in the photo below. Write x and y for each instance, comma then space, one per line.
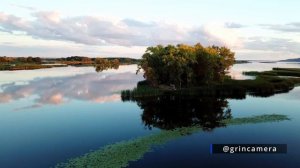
91, 30
220, 35
273, 44
289, 27
268, 48
48, 34
234, 25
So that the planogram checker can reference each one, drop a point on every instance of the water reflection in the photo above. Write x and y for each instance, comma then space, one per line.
173, 111
204, 107
101, 87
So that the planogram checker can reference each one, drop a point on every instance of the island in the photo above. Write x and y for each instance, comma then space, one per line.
187, 70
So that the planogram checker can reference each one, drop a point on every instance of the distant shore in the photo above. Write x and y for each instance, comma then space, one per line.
31, 63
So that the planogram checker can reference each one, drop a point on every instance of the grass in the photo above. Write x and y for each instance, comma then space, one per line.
120, 154
273, 81
295, 72
264, 85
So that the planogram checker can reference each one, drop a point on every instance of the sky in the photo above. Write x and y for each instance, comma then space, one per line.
253, 29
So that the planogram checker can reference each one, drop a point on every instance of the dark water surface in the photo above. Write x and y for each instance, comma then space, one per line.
51, 115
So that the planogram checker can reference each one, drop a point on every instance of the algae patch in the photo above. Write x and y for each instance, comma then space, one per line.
119, 154
256, 119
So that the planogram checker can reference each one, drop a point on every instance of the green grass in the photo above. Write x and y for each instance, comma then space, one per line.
294, 72
273, 81
120, 154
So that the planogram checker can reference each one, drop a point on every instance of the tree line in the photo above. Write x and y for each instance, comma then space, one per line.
29, 59
185, 65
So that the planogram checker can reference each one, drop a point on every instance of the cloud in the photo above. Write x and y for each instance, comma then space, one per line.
217, 34
290, 27
64, 50
135, 23
91, 30
10, 23
268, 48
24, 7
273, 44
233, 25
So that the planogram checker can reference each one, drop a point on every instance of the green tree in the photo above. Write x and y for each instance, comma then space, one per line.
185, 65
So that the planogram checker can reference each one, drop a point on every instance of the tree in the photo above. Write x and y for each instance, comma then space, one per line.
185, 65
115, 63
37, 60
6, 59
29, 59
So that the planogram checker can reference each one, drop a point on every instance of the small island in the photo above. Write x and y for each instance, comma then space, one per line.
198, 70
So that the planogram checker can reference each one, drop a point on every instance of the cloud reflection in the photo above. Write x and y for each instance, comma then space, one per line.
92, 87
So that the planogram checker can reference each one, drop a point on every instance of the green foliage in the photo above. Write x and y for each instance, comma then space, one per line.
256, 119
184, 65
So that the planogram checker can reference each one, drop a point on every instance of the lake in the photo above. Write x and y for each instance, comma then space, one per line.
49, 116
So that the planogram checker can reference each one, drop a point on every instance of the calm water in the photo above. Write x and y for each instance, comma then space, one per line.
51, 115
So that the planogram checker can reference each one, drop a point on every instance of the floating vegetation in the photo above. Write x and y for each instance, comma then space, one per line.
295, 72
119, 154
256, 119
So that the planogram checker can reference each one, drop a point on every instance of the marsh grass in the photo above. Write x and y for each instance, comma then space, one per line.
295, 72
120, 154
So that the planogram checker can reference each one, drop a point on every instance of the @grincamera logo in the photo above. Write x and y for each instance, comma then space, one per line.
248, 148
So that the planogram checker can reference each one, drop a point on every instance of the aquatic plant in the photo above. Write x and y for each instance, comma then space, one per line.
290, 72
121, 153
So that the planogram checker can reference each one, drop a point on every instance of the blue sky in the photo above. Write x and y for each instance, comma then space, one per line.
254, 29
